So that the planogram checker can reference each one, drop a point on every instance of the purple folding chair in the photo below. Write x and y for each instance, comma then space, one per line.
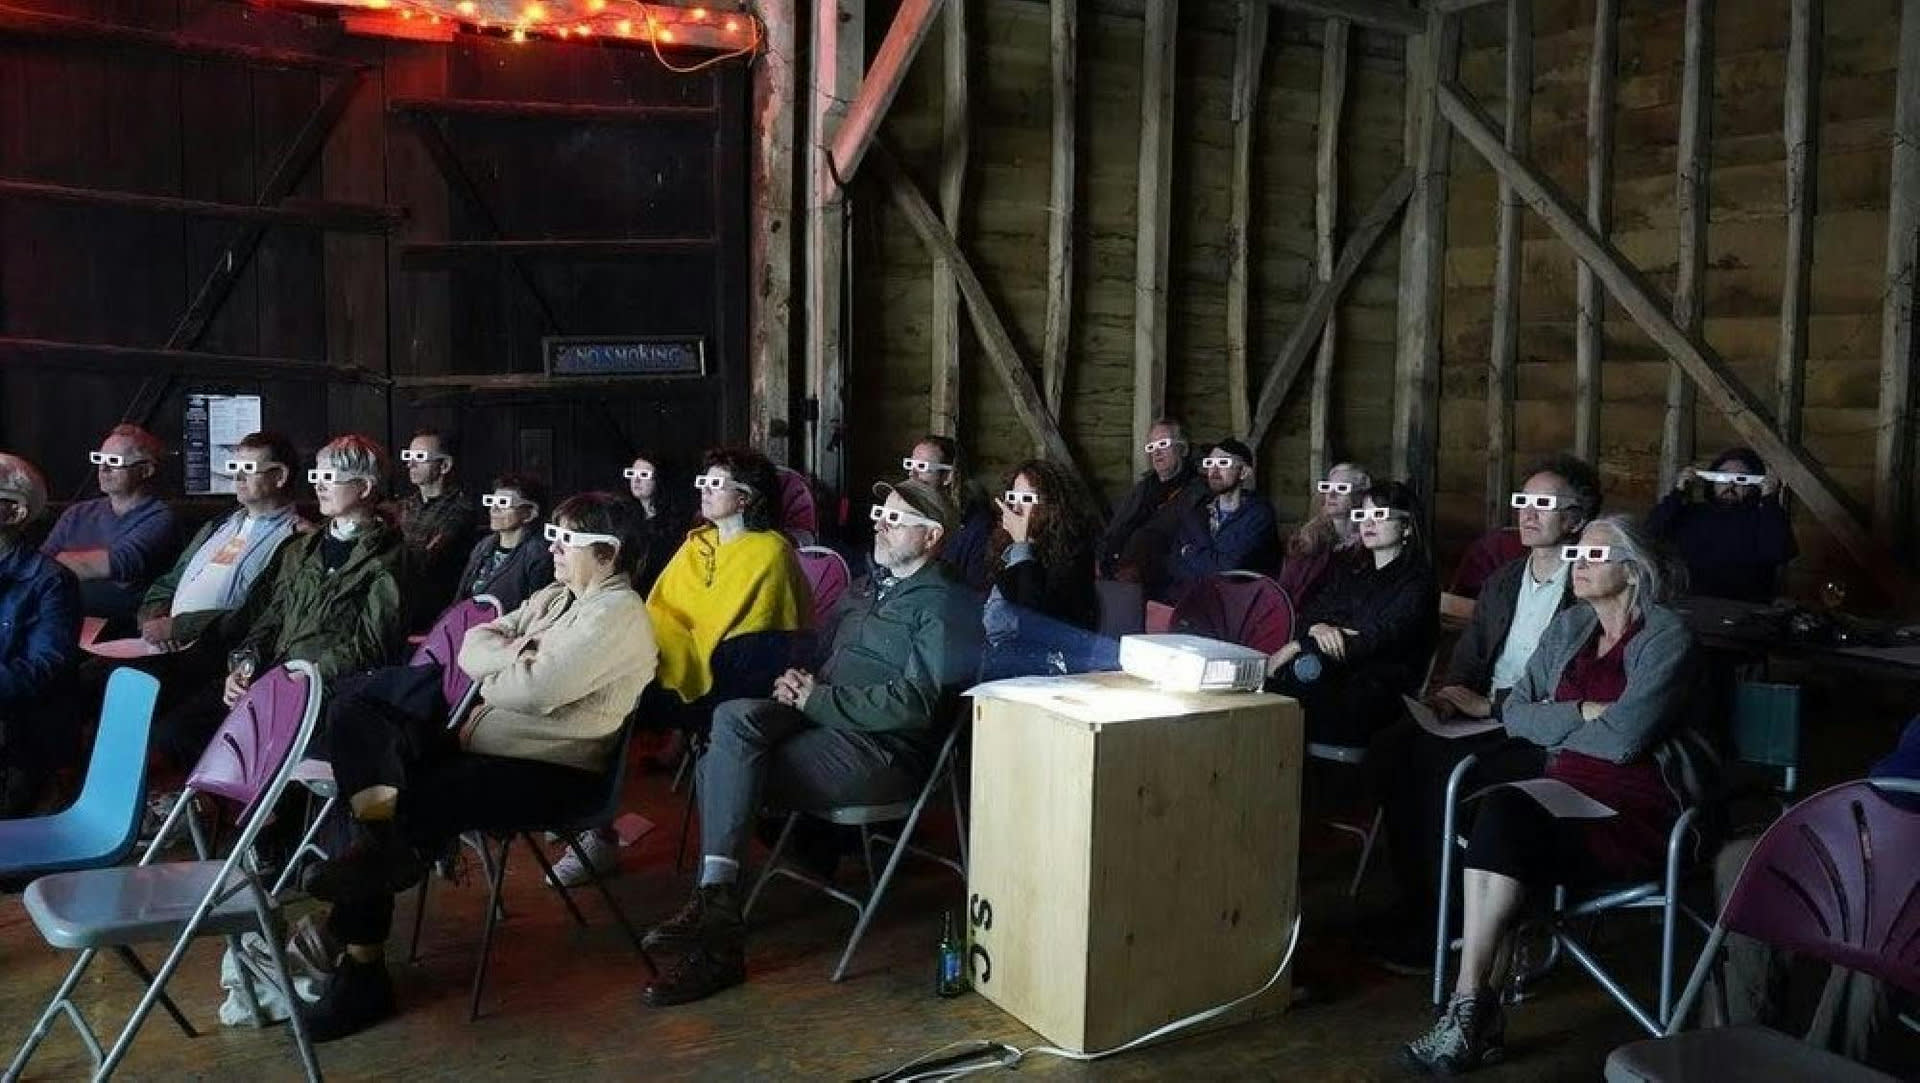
248, 764
799, 512
827, 575
1836, 879
1240, 607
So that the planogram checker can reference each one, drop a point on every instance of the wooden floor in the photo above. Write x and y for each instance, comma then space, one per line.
563, 1002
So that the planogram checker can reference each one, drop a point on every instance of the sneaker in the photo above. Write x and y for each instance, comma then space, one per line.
355, 998
603, 855
711, 915
1471, 1032
699, 974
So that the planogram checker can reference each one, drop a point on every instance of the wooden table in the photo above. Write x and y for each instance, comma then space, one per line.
1746, 627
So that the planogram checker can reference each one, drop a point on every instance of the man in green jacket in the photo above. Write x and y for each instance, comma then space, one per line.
864, 730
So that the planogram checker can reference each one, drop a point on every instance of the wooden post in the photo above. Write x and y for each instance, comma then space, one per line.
1504, 353
1249, 53
1743, 410
1154, 221
837, 35
1060, 206
770, 251
1587, 344
1431, 60
869, 106
1799, 126
955, 139
1693, 159
1326, 219
1893, 453
1378, 14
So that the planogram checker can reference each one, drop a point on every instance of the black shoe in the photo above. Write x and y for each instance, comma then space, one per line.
699, 974
358, 996
711, 916
378, 862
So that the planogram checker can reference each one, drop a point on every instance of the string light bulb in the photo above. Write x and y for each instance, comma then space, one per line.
625, 26
535, 12
699, 15
465, 7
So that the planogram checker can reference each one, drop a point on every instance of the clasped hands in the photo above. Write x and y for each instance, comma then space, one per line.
1331, 640
793, 687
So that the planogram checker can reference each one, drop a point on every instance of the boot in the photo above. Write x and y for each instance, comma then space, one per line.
711, 913
378, 862
356, 997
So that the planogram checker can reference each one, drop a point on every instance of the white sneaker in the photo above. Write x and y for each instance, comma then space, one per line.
602, 852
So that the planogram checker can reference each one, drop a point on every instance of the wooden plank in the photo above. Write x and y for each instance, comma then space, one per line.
1378, 14
1326, 218
1064, 31
431, 255
1249, 53
427, 174
1743, 411
301, 213
943, 399
1503, 354
1431, 60
1589, 301
1456, 6
150, 362
1800, 128
1693, 162
18, 25
353, 167
640, 115
1153, 219
1893, 450
882, 82
1301, 340
833, 78
770, 234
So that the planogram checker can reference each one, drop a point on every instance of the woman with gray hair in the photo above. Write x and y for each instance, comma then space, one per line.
39, 643
1602, 697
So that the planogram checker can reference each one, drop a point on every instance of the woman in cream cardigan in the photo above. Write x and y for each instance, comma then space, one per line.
557, 678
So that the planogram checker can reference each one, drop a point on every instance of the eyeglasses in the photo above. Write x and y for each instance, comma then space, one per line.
504, 500
1722, 478
1592, 554
409, 455
578, 539
717, 481
1341, 487
643, 473
922, 466
1378, 515
1539, 501
325, 476
1016, 497
1220, 461
114, 460
236, 467
895, 517
1161, 444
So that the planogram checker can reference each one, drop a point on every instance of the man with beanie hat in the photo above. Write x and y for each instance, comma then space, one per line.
1233, 529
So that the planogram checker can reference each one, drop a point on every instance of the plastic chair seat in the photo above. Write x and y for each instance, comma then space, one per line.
1721, 1053
317, 777
58, 843
134, 904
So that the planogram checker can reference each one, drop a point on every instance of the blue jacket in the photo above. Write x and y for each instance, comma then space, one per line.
1248, 541
39, 624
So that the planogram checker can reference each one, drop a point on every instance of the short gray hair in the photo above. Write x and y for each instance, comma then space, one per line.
1179, 430
1362, 480
22, 481
356, 454
1655, 581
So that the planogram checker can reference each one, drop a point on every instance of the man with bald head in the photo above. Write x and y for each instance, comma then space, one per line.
119, 542
39, 642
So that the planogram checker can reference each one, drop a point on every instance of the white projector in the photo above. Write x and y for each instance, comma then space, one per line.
1181, 663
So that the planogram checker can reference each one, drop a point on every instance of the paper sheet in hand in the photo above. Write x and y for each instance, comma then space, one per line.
125, 648
1560, 799
1430, 722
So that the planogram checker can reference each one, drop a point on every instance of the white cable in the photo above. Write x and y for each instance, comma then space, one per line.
1011, 1057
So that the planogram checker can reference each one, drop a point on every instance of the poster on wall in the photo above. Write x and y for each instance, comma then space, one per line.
215, 426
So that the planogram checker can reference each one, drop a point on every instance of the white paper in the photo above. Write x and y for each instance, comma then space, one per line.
124, 648
1561, 800
1430, 722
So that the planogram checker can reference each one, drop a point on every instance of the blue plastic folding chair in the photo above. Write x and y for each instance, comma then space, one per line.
103, 825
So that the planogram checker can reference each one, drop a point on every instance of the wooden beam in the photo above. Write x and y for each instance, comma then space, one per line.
1378, 14
17, 25
1431, 60
1589, 300
1893, 451
836, 55
1065, 32
882, 82
302, 213
1693, 162
1456, 6
1249, 52
995, 342
148, 361
570, 111
1292, 356
1153, 221
1503, 354
1721, 387
1326, 220
943, 399
770, 234
1800, 128
436, 255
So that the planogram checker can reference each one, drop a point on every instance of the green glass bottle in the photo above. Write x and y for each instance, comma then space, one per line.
950, 976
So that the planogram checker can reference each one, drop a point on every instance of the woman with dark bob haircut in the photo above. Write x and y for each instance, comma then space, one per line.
1040, 609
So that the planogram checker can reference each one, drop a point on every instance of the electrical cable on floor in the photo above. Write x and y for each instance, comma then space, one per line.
926, 1069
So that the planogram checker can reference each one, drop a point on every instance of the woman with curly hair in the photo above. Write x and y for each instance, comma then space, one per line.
1041, 609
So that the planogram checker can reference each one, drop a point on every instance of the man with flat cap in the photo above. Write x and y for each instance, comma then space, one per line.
863, 731
1233, 529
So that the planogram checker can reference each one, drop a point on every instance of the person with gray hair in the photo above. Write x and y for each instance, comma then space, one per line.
1137, 540
39, 642
120, 541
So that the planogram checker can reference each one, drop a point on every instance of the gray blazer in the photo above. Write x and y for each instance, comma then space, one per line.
1659, 663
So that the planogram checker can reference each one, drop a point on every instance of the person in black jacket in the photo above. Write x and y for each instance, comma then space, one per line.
513, 560
1233, 529
667, 519
1735, 541
1135, 545
1041, 609
1365, 637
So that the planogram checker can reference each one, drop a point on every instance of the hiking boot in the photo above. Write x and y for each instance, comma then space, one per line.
1472, 1031
378, 862
702, 972
603, 860
355, 998
711, 916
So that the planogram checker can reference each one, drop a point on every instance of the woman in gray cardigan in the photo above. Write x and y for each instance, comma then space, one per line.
1603, 695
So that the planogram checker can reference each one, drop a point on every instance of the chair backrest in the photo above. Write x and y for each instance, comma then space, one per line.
827, 574
442, 645
266, 732
1240, 607
799, 514
1766, 727
1836, 878
114, 794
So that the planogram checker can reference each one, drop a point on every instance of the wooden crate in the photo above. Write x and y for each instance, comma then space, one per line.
1132, 855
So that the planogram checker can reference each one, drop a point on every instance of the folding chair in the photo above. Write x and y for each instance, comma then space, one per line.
799, 512
1833, 879
247, 763
866, 817
1246, 608
102, 826
827, 576
1369, 832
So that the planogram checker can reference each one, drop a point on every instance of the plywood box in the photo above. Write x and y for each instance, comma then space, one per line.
1133, 854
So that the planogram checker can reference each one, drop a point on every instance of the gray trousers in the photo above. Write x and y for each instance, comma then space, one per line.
761, 753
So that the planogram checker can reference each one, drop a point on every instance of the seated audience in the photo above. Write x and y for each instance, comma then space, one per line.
1735, 541
1410, 766
1311, 550
39, 644
118, 542
1232, 529
438, 522
511, 562
1364, 638
1603, 699
1140, 535
865, 730
1041, 612
938, 461
557, 677
665, 513
332, 598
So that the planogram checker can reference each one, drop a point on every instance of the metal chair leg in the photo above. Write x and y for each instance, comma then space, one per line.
167, 1005
419, 918
58, 1003
486, 935
296, 1018
773, 862
879, 891
546, 870
1366, 852
686, 825
959, 816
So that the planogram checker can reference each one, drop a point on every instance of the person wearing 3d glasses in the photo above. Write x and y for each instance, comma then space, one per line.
664, 509
1734, 540
1330, 530
940, 462
39, 643
512, 561
438, 521
332, 598
1231, 530
1041, 613
1139, 537
120, 541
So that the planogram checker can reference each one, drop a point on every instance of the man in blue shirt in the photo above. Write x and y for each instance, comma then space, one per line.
39, 640
118, 543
